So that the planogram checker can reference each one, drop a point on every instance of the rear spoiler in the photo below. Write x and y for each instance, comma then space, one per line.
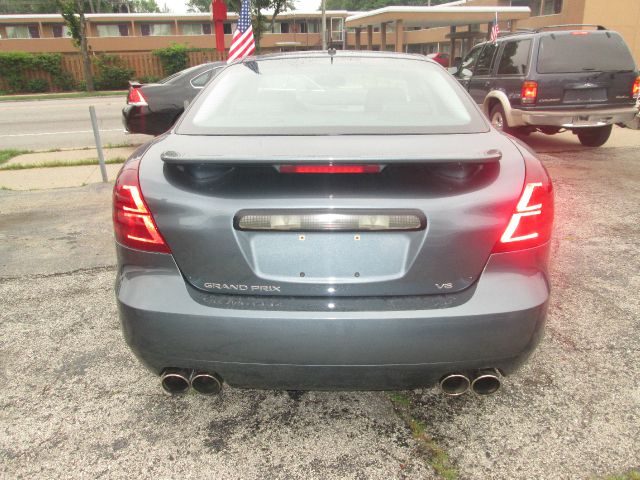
174, 158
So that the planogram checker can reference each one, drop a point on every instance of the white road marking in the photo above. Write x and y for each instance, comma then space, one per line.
60, 133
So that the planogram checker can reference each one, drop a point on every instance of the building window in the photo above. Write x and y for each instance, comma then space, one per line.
284, 27
226, 27
113, 30
196, 29
534, 5
303, 27
155, 29
60, 31
313, 26
22, 31
552, 7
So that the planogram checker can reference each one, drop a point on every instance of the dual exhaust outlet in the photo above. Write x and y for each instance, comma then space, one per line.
176, 381
482, 382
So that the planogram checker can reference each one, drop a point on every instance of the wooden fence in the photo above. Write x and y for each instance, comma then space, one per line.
144, 64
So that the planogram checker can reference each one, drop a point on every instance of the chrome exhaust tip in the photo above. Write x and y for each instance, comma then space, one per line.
175, 381
486, 382
206, 383
454, 384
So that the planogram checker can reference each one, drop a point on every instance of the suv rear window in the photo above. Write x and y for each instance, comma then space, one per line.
573, 52
515, 58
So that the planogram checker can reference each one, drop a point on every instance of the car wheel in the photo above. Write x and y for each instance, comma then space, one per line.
499, 119
594, 136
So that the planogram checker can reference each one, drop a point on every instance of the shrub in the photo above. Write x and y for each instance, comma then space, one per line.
36, 85
149, 79
113, 74
173, 58
16, 66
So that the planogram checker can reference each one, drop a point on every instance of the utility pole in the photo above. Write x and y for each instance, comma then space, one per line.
324, 25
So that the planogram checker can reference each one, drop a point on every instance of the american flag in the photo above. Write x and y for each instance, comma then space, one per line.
495, 30
242, 44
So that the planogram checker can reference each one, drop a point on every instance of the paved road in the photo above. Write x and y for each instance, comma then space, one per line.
62, 123
76, 404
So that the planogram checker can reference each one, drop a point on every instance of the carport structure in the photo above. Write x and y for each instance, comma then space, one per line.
409, 19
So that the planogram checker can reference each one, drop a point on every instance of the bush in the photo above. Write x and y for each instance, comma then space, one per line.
113, 74
16, 66
149, 79
173, 58
36, 85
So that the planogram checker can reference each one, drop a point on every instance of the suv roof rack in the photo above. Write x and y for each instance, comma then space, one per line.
520, 31
548, 27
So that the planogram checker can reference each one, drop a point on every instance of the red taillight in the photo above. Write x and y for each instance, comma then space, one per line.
329, 168
529, 93
132, 221
635, 90
136, 97
532, 218
580, 32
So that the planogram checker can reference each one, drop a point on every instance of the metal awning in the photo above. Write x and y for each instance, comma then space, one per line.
436, 16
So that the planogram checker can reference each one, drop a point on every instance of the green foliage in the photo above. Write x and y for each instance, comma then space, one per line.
364, 5
68, 11
6, 155
259, 23
145, 6
15, 68
113, 73
36, 85
149, 79
173, 58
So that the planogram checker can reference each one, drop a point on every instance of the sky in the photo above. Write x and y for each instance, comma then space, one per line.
180, 6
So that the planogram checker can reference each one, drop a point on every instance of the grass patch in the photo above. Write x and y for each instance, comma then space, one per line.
631, 475
60, 163
430, 452
6, 155
54, 96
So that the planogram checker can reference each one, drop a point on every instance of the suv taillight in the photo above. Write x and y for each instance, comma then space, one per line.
133, 223
532, 217
529, 93
136, 97
635, 90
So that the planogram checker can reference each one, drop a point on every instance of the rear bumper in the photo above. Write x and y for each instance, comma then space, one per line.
255, 342
579, 118
140, 119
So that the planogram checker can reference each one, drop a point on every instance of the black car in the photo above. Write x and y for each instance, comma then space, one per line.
581, 80
153, 108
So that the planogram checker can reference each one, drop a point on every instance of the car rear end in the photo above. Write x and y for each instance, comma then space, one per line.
317, 260
580, 79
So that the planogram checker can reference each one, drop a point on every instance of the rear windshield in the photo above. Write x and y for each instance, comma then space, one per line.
179, 74
318, 96
584, 52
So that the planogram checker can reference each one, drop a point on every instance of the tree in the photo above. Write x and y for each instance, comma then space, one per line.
365, 5
73, 13
259, 20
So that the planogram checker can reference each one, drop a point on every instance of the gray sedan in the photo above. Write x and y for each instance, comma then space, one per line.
333, 220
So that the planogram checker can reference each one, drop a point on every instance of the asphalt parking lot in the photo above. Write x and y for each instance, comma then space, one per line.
76, 404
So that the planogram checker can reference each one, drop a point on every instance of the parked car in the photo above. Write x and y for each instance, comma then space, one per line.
584, 81
152, 108
342, 220
441, 58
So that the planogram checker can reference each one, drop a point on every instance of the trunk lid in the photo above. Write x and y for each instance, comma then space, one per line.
462, 196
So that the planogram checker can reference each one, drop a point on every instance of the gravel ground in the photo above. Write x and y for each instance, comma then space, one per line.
76, 404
